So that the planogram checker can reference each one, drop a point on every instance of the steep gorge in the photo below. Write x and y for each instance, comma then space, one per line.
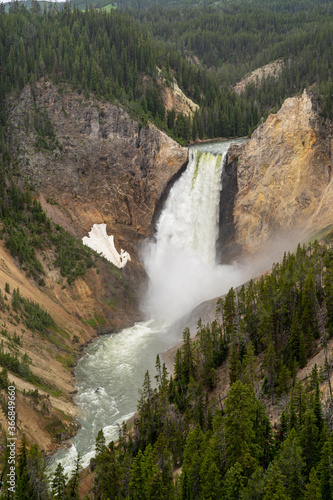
281, 180
109, 170
106, 168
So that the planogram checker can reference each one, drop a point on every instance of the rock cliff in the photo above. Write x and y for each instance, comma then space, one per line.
105, 168
284, 177
89, 162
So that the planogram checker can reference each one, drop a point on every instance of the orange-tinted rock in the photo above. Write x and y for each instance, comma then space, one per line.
283, 173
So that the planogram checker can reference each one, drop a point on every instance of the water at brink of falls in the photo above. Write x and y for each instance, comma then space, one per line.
180, 261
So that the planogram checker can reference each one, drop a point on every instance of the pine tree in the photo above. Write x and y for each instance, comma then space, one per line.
283, 380
136, 484
249, 366
240, 410
100, 443
211, 483
145, 408
291, 464
274, 489
193, 454
109, 471
165, 468
4, 381
23, 490
187, 356
317, 408
309, 440
233, 482
229, 314
312, 489
72, 488
36, 468
153, 487
59, 483
234, 364
325, 471
255, 486
270, 365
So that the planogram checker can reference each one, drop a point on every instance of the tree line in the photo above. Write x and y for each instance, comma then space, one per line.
227, 447
189, 442
234, 38
118, 56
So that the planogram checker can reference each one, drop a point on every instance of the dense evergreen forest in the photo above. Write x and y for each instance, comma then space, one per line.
117, 55
113, 55
237, 38
189, 442
240, 38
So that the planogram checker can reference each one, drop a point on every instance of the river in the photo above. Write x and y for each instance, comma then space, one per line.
180, 261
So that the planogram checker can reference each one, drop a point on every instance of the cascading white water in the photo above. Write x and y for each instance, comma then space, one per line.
181, 261
183, 272
188, 224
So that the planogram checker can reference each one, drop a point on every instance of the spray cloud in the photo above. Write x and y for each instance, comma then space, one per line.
181, 260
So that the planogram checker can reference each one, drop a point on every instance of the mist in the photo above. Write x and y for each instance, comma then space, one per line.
180, 259
180, 282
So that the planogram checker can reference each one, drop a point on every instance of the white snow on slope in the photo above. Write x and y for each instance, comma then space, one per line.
99, 241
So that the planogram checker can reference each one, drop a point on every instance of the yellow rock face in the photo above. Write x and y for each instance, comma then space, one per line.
284, 177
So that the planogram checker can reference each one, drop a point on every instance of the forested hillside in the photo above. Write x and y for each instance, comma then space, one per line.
189, 442
117, 56
234, 38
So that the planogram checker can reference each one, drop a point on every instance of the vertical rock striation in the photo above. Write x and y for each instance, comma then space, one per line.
284, 177
106, 169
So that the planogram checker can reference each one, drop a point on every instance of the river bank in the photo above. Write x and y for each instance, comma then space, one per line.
181, 264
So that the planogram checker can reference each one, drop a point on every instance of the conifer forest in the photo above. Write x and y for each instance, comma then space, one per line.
269, 435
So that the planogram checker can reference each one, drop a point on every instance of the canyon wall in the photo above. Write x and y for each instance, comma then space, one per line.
284, 188
88, 162
105, 168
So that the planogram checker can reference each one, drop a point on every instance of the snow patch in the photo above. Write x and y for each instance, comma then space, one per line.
99, 241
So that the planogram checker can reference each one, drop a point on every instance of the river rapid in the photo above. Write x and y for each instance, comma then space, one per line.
180, 261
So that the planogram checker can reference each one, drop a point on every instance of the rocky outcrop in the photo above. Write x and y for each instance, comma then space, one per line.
227, 246
106, 169
175, 99
284, 177
272, 70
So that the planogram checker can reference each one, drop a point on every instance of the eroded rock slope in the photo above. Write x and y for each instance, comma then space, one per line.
284, 177
105, 167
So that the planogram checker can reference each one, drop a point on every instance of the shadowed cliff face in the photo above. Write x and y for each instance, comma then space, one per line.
284, 188
227, 246
107, 169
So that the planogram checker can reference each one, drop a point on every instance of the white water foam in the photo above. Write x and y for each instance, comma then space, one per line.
181, 260
183, 272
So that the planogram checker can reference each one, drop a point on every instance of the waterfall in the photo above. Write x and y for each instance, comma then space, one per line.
189, 222
181, 261
181, 264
